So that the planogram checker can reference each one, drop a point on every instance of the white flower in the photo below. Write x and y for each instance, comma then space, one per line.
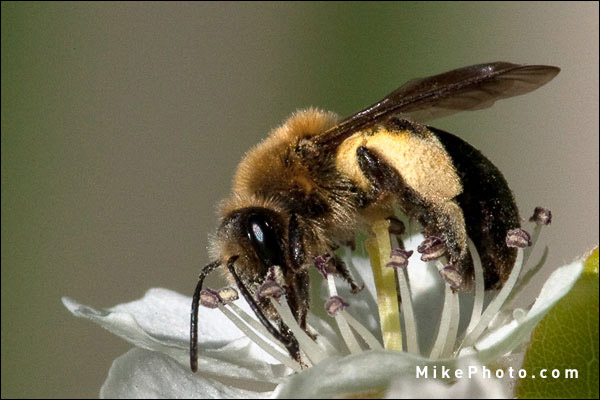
231, 365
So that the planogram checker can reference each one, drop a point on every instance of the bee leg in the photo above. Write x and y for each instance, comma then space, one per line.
443, 219
329, 263
342, 270
397, 229
446, 221
296, 251
298, 295
285, 336
384, 177
350, 243
287, 333
298, 256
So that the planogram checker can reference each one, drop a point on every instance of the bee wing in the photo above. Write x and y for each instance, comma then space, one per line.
463, 89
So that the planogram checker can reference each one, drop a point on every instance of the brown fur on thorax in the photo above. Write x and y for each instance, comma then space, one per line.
278, 174
332, 197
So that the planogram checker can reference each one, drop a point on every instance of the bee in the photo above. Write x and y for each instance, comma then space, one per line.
315, 181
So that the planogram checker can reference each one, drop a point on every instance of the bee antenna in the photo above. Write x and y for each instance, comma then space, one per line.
289, 340
194, 314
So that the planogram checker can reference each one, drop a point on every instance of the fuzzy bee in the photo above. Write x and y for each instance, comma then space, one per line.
315, 180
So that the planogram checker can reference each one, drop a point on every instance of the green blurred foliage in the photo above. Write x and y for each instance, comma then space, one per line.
566, 339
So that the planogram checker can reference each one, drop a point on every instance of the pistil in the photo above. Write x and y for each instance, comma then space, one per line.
379, 249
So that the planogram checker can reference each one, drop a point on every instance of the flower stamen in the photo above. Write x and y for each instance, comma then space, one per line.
254, 324
495, 305
228, 295
453, 280
526, 278
479, 286
453, 329
534, 238
519, 314
519, 238
367, 336
342, 323
444, 327
399, 261
334, 305
452, 277
270, 290
542, 217
432, 248
446, 323
310, 348
323, 264
209, 298
263, 344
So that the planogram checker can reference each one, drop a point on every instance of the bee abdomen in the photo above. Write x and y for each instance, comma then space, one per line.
488, 205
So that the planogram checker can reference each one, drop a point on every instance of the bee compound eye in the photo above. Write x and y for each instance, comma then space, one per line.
265, 240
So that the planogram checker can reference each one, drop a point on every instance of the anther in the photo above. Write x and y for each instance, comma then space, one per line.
518, 238
324, 264
334, 305
432, 248
271, 274
452, 277
270, 289
541, 216
228, 294
399, 258
210, 298
396, 226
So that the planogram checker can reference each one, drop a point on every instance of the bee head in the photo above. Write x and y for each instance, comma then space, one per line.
255, 234
249, 241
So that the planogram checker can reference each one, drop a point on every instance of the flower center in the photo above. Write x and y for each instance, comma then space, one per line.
390, 273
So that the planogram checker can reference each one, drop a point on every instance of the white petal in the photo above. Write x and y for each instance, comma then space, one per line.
508, 337
246, 360
147, 374
160, 321
558, 285
369, 371
163, 316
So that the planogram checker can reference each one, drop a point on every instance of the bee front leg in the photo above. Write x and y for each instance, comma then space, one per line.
443, 218
298, 295
296, 250
342, 270
297, 279
329, 263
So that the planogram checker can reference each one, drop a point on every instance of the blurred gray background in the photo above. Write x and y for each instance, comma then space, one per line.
122, 125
